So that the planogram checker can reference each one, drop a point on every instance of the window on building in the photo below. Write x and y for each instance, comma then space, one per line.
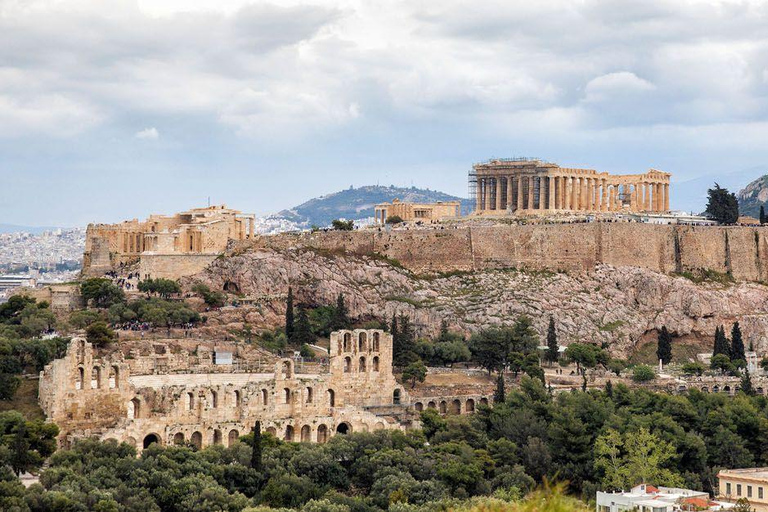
738, 489
759, 493
728, 489
749, 491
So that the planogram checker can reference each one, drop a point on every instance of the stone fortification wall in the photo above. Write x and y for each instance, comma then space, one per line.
556, 247
173, 266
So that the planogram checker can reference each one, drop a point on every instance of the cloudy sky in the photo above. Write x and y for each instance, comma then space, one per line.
113, 109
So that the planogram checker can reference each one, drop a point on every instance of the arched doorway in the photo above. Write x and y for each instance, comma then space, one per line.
151, 439
289, 433
443, 407
306, 434
234, 435
396, 397
456, 407
470, 405
217, 436
322, 434
343, 428
418, 406
178, 439
331, 398
197, 440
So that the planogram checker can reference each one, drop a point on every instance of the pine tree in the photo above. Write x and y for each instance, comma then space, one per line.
303, 332
256, 454
553, 349
443, 331
762, 214
664, 348
499, 395
737, 344
746, 383
609, 389
403, 341
393, 328
340, 314
722, 205
289, 315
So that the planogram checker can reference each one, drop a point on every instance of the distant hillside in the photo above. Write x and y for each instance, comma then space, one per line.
35, 230
358, 203
753, 196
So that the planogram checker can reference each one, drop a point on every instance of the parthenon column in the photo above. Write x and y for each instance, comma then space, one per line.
497, 179
575, 191
551, 192
666, 197
647, 200
657, 197
568, 193
529, 204
510, 199
519, 192
591, 195
561, 189
479, 195
612, 198
542, 196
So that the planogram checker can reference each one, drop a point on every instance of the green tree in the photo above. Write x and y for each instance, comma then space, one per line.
394, 219
664, 347
343, 225
499, 394
101, 292
553, 349
693, 369
289, 314
403, 341
722, 345
643, 373
721, 362
99, 334
616, 366
737, 343
9, 383
746, 383
415, 372
340, 314
303, 330
585, 355
722, 205
256, 448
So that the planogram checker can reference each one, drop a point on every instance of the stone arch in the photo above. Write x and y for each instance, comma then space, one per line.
95, 377
715, 388
309, 397
379, 425
231, 287
306, 434
238, 398
361, 365
214, 399
483, 401
431, 405
418, 406
759, 390
289, 433
376, 337
134, 409
264, 397
286, 369
114, 377
681, 388
456, 406
375, 363
344, 428
347, 364
287, 395
150, 439
190, 401
363, 427
178, 438
322, 434
217, 436
727, 389
331, 398
79, 384
362, 342
272, 430
131, 441
704, 389
469, 406
396, 396
233, 436
196, 439
347, 341
443, 407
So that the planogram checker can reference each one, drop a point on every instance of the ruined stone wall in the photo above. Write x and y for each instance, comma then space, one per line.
173, 266
555, 247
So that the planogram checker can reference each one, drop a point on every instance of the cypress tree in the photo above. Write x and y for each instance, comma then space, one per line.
553, 350
443, 331
664, 348
746, 383
340, 314
256, 454
303, 332
403, 341
393, 329
762, 214
737, 343
721, 343
499, 395
609, 389
289, 314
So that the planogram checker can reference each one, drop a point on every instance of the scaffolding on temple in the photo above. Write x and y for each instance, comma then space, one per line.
472, 190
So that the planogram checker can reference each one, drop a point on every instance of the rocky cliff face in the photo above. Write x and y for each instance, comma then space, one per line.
623, 306
753, 196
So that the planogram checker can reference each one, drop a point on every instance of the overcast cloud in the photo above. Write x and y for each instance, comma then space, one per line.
116, 109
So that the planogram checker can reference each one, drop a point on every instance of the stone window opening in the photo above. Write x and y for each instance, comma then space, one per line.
150, 440
322, 434
343, 429
347, 364
264, 397
134, 409
443, 407
95, 377
432, 405
80, 378
306, 434
287, 370
178, 439
362, 342
214, 399
418, 406
396, 397
470, 405
217, 436
287, 393
376, 342
347, 341
190, 401
234, 435
456, 407
114, 377
331, 398
375, 364
309, 395
238, 399
197, 440
289, 433
361, 366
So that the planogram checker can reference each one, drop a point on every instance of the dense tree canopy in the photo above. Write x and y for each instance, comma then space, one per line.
722, 205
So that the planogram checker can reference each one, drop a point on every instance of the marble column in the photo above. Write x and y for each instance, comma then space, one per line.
529, 204
542, 195
497, 179
519, 192
561, 191
479, 195
568, 193
551, 192
510, 199
647, 199
666, 197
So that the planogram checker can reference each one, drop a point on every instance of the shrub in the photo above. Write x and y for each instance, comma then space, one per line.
643, 373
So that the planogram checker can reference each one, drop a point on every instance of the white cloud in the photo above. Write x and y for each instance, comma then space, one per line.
148, 134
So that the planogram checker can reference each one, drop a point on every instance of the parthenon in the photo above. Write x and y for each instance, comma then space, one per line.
533, 186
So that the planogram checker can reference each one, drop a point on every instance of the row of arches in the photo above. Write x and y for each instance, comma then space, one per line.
95, 381
362, 365
361, 344
451, 407
727, 389
195, 439
295, 396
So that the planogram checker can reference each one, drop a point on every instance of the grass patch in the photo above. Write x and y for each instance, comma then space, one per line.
377, 256
706, 275
612, 326
25, 401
